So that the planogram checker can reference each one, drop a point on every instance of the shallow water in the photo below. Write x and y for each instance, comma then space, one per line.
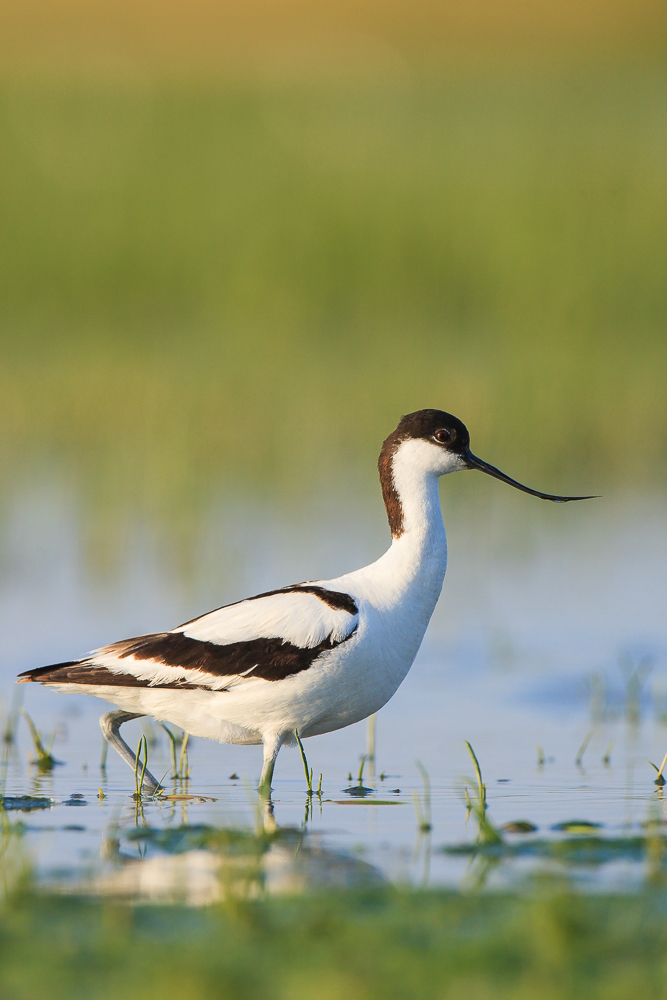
551, 630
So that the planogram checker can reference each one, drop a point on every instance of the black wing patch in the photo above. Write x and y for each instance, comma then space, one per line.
336, 599
85, 672
269, 659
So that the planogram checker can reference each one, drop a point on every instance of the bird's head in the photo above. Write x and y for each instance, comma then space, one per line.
439, 443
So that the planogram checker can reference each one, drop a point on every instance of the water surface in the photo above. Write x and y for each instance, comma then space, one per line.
550, 632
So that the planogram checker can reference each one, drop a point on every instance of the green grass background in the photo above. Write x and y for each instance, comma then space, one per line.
213, 284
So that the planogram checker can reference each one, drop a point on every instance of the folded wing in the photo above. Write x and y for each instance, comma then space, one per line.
268, 637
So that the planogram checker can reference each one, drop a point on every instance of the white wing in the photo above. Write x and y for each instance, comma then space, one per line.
300, 617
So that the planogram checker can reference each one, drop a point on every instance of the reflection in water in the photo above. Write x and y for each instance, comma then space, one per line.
199, 865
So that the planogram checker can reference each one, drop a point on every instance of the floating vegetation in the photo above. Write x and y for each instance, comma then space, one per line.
364, 802
584, 850
184, 797
519, 826
43, 759
359, 790
576, 826
25, 803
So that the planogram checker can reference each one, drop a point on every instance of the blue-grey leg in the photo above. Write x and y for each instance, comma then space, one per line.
110, 725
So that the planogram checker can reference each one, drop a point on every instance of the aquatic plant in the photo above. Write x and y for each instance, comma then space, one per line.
659, 779
183, 764
140, 766
307, 771
9, 725
43, 759
15, 865
371, 727
582, 749
179, 758
634, 675
477, 805
422, 803
25, 803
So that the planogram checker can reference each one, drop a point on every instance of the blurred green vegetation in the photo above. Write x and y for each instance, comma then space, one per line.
389, 945
217, 285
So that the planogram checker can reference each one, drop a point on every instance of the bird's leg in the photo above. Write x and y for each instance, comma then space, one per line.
271, 745
110, 725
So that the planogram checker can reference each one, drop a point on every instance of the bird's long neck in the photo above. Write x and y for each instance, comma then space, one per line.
416, 560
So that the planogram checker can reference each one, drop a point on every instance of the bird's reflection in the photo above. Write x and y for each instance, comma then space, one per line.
199, 865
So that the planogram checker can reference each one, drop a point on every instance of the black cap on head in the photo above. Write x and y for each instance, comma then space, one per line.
434, 425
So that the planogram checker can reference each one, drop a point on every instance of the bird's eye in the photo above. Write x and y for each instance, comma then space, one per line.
443, 436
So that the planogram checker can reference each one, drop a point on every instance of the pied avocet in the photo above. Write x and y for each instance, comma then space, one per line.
308, 658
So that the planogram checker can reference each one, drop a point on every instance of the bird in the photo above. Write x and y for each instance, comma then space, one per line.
308, 658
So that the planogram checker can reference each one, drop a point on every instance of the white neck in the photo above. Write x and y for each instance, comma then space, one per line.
416, 484
413, 567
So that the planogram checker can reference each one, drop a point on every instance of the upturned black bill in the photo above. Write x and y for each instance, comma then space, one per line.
472, 462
